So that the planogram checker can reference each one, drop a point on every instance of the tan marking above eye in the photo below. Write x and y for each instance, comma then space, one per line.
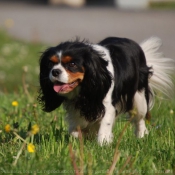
54, 59
66, 59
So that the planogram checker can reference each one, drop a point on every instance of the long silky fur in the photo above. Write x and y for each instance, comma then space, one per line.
131, 71
163, 68
94, 87
47, 97
97, 81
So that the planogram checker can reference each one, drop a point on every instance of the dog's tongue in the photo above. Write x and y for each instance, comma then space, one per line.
58, 88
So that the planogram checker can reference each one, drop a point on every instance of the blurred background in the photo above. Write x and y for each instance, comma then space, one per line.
27, 27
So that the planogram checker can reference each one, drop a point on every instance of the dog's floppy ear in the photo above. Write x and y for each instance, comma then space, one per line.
95, 85
47, 97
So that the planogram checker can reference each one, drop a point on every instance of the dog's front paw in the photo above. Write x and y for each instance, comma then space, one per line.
105, 138
75, 134
141, 132
140, 128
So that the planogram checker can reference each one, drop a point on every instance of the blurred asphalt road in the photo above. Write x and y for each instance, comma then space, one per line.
52, 25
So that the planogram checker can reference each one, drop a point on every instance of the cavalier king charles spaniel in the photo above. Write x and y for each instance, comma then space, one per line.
97, 82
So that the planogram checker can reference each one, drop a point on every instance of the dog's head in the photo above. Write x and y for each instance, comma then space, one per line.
73, 70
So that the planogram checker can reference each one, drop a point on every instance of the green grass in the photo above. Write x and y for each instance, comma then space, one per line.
16, 57
162, 5
154, 153
59, 153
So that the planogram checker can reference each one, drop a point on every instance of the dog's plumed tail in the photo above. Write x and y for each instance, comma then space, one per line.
163, 68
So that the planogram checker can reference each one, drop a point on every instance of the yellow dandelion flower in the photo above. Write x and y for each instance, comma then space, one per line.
35, 129
31, 148
7, 128
14, 103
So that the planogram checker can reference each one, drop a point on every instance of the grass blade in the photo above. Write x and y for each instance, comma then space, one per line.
72, 156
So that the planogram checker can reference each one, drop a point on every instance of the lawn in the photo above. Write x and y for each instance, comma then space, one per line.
34, 142
17, 58
169, 4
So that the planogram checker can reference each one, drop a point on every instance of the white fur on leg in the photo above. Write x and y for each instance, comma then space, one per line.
105, 132
75, 134
74, 120
141, 109
140, 129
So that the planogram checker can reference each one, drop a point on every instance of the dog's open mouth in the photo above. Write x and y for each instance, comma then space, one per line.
60, 87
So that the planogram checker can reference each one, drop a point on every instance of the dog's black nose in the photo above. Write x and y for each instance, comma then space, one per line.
56, 72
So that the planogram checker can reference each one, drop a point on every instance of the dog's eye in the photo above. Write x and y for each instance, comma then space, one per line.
72, 64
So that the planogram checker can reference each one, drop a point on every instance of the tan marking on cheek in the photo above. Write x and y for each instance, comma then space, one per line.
54, 59
75, 76
66, 59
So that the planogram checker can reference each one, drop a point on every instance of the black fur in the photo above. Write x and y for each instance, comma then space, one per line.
47, 96
90, 99
130, 75
96, 83
131, 71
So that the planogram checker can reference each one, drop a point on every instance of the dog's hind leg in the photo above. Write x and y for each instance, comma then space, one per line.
138, 114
